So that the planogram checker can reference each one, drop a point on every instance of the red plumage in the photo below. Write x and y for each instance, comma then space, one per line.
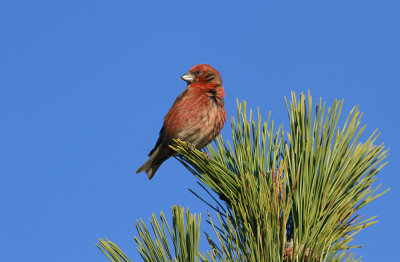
197, 116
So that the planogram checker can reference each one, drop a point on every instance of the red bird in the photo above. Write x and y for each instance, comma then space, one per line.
197, 116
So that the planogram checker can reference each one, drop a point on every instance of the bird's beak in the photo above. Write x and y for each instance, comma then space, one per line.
188, 77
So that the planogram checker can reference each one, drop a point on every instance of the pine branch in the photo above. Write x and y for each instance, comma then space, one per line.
283, 199
308, 188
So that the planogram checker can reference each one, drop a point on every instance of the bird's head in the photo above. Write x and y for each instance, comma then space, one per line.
204, 74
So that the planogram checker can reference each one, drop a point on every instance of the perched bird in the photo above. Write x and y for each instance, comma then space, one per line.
196, 117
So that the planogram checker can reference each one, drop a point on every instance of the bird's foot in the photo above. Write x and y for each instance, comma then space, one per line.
191, 146
207, 155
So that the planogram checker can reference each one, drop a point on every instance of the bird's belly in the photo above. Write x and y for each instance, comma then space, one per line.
200, 127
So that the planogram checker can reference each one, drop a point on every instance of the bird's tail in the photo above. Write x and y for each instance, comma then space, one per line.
149, 167
152, 164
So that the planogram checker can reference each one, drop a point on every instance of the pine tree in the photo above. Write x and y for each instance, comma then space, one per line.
293, 197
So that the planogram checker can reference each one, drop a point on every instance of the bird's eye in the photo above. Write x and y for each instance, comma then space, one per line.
197, 72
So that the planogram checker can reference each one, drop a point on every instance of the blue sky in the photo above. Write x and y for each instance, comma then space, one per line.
85, 85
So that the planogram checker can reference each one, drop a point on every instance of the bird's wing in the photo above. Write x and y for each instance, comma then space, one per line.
159, 140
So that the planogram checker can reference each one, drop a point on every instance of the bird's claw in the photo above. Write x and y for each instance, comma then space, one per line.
191, 146
207, 155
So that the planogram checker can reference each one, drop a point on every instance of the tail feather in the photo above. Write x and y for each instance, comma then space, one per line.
153, 163
149, 167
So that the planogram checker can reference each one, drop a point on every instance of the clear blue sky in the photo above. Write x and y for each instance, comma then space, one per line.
84, 87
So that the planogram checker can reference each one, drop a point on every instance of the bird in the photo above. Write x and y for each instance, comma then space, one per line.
197, 116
